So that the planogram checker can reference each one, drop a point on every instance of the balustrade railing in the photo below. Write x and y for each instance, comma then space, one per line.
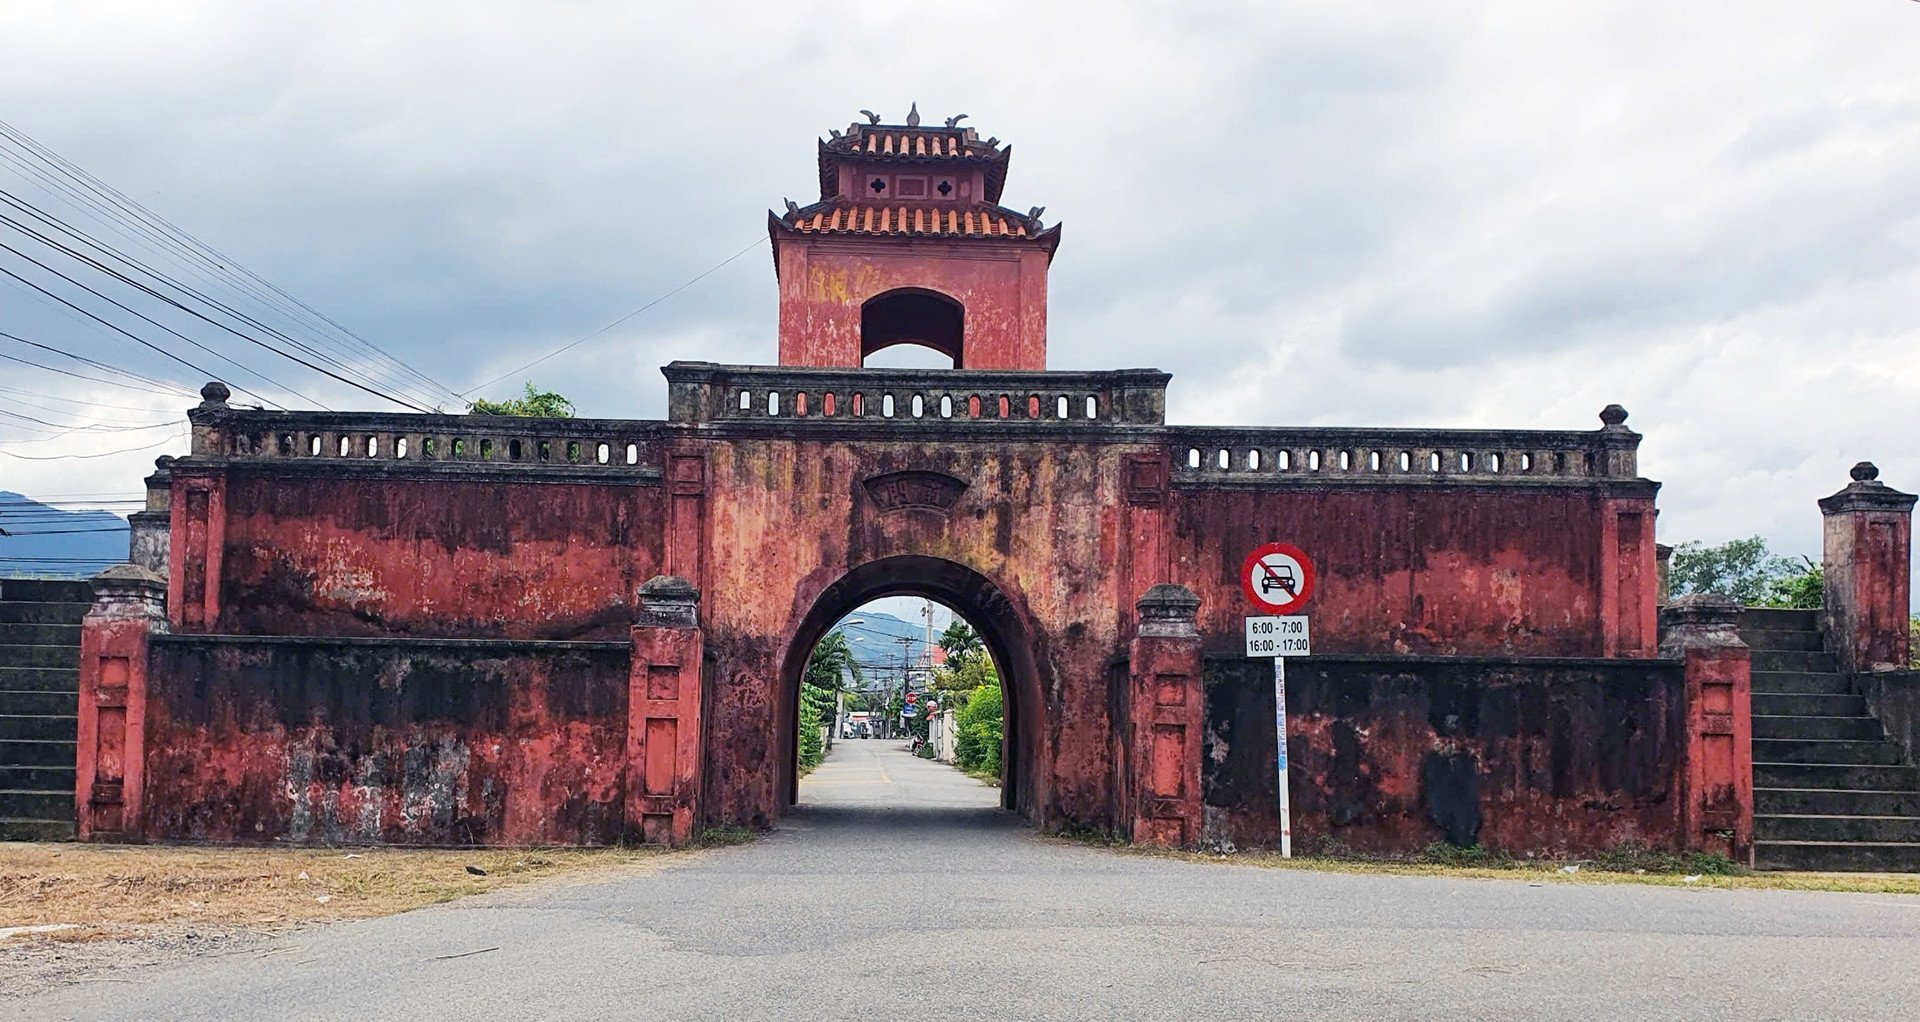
1251, 454
708, 393
223, 431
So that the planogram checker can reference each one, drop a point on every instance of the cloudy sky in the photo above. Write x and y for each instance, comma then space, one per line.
1460, 214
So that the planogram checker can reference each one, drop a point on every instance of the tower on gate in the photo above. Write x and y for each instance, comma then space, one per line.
909, 245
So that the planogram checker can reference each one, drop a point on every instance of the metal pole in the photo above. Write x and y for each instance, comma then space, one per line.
1280, 735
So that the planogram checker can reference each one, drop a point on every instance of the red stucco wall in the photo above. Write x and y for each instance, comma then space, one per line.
1001, 287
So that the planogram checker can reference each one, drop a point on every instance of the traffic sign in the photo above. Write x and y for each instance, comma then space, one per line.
1277, 578
1278, 636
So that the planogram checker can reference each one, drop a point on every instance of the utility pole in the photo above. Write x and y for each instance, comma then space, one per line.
906, 644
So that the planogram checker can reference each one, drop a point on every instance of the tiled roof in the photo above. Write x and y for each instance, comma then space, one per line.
902, 220
895, 143
876, 140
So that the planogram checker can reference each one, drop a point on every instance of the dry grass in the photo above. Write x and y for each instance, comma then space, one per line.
1555, 873
112, 889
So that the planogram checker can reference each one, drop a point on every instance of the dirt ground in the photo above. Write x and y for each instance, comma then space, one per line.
96, 909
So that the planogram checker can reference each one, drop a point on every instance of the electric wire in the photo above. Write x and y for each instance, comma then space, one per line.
159, 230
576, 343
165, 387
102, 454
192, 293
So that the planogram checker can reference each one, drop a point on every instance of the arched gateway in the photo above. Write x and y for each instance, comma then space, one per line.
434, 629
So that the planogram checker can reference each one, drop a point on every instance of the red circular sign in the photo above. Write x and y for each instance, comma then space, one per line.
1277, 578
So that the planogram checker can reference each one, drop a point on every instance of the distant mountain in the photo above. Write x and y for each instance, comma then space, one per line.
39, 539
874, 638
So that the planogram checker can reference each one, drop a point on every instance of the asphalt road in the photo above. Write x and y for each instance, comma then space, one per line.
899, 891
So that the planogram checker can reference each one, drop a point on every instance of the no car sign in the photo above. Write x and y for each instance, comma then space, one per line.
1277, 578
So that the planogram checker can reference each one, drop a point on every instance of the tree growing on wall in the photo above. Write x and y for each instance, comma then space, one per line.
535, 403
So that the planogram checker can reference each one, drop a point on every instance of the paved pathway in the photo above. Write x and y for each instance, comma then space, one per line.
900, 892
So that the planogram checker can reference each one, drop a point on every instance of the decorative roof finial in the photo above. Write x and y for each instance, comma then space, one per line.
1865, 472
872, 118
913, 115
954, 121
1613, 416
793, 208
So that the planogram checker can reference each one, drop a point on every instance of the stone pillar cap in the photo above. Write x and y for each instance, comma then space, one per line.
1168, 610
1866, 493
668, 601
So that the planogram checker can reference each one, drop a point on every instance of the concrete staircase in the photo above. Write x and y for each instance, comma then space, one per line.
39, 700
1830, 792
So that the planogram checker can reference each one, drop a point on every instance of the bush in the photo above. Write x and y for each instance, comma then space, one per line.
980, 725
816, 704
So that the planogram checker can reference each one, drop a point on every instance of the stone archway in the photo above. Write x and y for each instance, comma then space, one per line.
1004, 627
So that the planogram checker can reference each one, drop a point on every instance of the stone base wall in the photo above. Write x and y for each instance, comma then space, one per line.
1391, 754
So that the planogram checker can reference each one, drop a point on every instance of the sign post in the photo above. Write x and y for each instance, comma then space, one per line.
1278, 578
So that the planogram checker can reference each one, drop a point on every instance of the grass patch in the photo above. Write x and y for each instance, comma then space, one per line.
1625, 865
723, 837
107, 889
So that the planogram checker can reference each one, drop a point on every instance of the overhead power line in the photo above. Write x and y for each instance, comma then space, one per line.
136, 222
101, 454
191, 293
576, 343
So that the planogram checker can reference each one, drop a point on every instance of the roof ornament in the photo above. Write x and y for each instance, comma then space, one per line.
793, 208
993, 141
1034, 213
954, 121
872, 118
913, 115
835, 132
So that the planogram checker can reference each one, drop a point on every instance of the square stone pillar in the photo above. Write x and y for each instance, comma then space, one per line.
110, 755
1166, 704
1867, 550
663, 714
1716, 772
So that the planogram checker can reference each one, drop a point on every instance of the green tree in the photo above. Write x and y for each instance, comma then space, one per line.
831, 661
1805, 588
959, 639
816, 707
964, 673
1743, 569
538, 404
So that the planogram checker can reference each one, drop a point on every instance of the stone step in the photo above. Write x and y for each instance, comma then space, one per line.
1807, 704
1780, 619
1838, 856
42, 727
39, 703
1803, 750
25, 804
1831, 802
1810, 682
38, 778
45, 590
35, 830
1836, 776
13, 633
41, 656
36, 752
42, 613
1768, 639
1862, 728
1895, 829
40, 679
1794, 660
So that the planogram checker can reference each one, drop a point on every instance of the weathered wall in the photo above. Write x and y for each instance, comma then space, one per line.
390, 741
787, 519
1392, 754
824, 282
314, 555
1494, 570
1894, 697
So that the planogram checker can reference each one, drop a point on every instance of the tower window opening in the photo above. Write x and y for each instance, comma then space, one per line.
878, 185
913, 316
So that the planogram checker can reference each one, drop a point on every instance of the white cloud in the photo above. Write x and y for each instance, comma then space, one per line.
1495, 213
